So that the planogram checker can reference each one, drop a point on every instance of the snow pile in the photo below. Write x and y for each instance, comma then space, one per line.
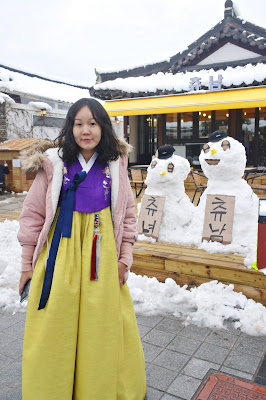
181, 81
211, 304
10, 266
4, 98
33, 86
40, 105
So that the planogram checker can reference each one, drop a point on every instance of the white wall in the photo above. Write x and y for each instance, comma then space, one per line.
228, 52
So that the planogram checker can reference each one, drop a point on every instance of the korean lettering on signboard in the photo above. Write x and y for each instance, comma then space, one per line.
219, 217
150, 215
195, 83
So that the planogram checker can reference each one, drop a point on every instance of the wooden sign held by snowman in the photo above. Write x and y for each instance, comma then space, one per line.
165, 178
219, 216
223, 162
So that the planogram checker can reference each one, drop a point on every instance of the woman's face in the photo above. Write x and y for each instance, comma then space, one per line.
87, 132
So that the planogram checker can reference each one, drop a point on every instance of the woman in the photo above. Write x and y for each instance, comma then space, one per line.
81, 337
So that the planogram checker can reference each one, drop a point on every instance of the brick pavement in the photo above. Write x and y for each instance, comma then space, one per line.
178, 357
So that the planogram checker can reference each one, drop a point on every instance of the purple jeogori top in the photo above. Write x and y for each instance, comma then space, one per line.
94, 193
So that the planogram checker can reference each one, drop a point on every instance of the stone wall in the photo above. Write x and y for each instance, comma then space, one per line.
3, 130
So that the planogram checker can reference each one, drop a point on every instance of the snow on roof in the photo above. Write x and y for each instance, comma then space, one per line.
4, 98
40, 105
11, 81
180, 81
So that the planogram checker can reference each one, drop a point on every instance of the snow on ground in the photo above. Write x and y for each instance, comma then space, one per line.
211, 304
8, 200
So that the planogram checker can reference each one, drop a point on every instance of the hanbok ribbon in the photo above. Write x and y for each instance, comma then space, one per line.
95, 257
63, 229
96, 247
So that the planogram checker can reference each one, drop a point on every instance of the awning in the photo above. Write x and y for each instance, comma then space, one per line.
219, 100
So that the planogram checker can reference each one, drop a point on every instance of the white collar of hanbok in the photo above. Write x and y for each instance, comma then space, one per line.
86, 166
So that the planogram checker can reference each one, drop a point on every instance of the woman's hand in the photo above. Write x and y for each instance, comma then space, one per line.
25, 276
121, 273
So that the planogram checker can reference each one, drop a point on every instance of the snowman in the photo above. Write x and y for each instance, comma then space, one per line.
223, 162
165, 177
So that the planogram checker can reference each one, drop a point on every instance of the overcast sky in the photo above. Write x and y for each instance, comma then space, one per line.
68, 39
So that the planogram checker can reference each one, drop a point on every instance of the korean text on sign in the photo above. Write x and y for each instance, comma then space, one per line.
150, 215
219, 217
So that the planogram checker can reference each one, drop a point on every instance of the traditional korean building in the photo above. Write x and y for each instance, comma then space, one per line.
218, 82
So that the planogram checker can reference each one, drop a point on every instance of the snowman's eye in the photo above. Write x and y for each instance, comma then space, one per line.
206, 148
170, 167
153, 164
225, 145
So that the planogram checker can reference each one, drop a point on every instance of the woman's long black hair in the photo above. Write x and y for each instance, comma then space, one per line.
107, 149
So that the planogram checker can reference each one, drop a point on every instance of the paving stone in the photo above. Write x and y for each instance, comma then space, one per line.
13, 394
4, 360
262, 369
184, 345
170, 325
143, 330
172, 360
235, 372
150, 351
222, 338
198, 368
170, 397
260, 381
5, 339
6, 322
153, 394
159, 338
3, 389
250, 345
195, 332
150, 321
184, 387
242, 362
11, 374
16, 330
13, 350
20, 316
159, 378
211, 352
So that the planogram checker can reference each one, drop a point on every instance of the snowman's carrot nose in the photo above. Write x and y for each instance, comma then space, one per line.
213, 151
163, 172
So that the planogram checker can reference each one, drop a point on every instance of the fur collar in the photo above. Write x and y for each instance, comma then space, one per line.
32, 158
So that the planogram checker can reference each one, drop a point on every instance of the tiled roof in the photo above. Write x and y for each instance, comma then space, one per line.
169, 83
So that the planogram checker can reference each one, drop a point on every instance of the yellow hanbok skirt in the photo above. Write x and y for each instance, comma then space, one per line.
84, 345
